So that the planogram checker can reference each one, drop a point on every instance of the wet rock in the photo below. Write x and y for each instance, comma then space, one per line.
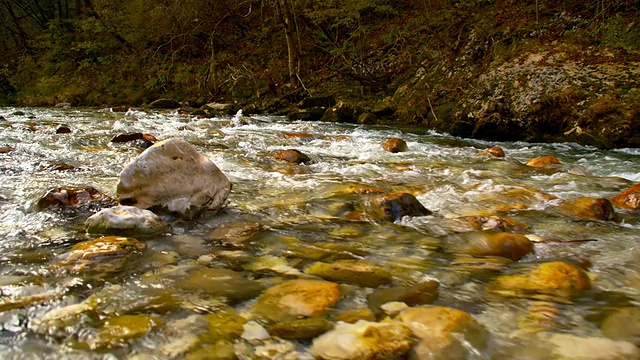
105, 254
574, 347
119, 330
294, 299
235, 234
544, 161
63, 129
495, 151
363, 341
496, 223
60, 321
254, 332
120, 109
56, 166
292, 156
628, 199
308, 114
8, 303
172, 176
270, 263
63, 105
395, 145
219, 282
164, 104
221, 350
624, 324
422, 293
358, 272
439, 330
146, 139
588, 208
352, 316
341, 113
4, 149
394, 207
121, 299
317, 101
72, 197
126, 221
547, 281
306, 137
507, 245
300, 329
224, 325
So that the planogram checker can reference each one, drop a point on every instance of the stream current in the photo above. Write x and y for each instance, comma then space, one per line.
306, 205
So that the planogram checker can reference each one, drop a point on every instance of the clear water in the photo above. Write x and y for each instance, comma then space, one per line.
307, 202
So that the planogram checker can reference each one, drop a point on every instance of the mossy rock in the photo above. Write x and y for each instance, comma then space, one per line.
220, 282
224, 325
358, 272
300, 329
119, 330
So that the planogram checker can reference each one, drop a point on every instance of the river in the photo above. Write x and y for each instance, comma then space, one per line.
307, 206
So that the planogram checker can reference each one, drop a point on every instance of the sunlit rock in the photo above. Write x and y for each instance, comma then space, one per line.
220, 282
544, 161
547, 281
439, 329
482, 243
125, 221
395, 145
119, 330
494, 151
293, 156
588, 208
172, 176
73, 197
300, 329
105, 254
358, 272
296, 299
394, 207
363, 341
352, 316
581, 347
628, 199
623, 324
422, 293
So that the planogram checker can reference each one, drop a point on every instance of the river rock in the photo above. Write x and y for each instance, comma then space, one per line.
495, 151
63, 129
72, 197
395, 145
294, 299
491, 222
439, 329
234, 234
300, 329
224, 325
293, 156
550, 280
394, 207
628, 199
120, 300
363, 340
573, 347
126, 221
5, 149
220, 282
105, 254
358, 272
422, 293
172, 176
119, 330
164, 104
624, 324
544, 161
588, 208
482, 243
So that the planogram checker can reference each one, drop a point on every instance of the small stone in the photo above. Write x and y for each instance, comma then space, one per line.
628, 199
292, 156
235, 235
254, 331
495, 151
63, 129
395, 145
508, 245
544, 161
422, 293
219, 282
359, 272
71, 197
301, 329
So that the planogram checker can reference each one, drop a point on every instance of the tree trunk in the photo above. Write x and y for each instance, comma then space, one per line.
286, 18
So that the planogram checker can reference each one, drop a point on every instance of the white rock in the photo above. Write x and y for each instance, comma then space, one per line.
125, 221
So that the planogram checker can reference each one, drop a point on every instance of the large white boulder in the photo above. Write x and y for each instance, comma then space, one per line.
172, 176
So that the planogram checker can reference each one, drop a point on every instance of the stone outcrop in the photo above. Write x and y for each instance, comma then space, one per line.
172, 176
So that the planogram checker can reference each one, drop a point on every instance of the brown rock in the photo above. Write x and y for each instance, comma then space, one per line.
495, 151
507, 245
220, 282
393, 207
543, 161
298, 136
105, 254
419, 294
63, 129
628, 199
292, 156
71, 197
359, 272
234, 234
588, 208
395, 145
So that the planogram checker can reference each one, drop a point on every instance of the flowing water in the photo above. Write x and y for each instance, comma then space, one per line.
305, 207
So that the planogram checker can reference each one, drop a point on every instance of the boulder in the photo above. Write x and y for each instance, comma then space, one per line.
395, 145
220, 282
628, 199
125, 221
483, 243
421, 293
293, 156
171, 176
164, 104
588, 208
544, 161
105, 254
495, 151
358, 272
341, 113
555, 280
363, 340
72, 197
308, 114
394, 207
294, 299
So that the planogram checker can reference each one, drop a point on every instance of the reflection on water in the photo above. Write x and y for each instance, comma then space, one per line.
305, 213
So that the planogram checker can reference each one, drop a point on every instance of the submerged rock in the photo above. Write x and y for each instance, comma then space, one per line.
588, 208
300, 329
119, 330
172, 176
624, 324
394, 207
363, 340
72, 197
359, 272
105, 254
628, 199
395, 145
219, 282
495, 151
507, 245
551, 280
293, 156
125, 221
573, 347
235, 234
296, 299
422, 293
544, 161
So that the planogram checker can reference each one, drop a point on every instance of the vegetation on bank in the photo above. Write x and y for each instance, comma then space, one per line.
420, 58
